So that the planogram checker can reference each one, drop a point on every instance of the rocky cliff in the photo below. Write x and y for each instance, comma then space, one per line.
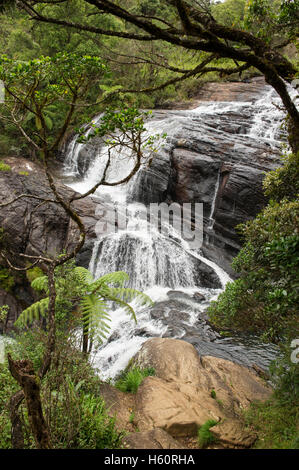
215, 153
214, 156
211, 156
186, 391
34, 229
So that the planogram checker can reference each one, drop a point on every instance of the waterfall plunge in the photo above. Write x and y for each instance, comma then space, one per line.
154, 262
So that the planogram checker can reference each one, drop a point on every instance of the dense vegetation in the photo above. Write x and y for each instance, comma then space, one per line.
73, 408
265, 298
58, 76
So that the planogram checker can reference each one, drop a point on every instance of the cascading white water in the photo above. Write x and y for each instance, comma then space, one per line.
268, 120
155, 262
211, 219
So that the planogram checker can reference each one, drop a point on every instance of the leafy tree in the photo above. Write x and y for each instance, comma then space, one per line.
192, 26
230, 13
41, 89
33, 88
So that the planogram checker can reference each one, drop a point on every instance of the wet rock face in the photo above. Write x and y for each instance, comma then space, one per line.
246, 90
33, 229
212, 157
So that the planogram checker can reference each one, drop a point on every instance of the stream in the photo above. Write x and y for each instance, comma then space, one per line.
161, 263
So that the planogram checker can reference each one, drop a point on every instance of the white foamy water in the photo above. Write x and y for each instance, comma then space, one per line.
156, 262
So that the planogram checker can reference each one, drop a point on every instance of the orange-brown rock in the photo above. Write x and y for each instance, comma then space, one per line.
154, 439
179, 398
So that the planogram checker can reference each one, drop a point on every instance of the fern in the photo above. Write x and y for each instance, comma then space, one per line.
118, 278
128, 294
95, 316
40, 283
34, 312
94, 298
127, 307
83, 274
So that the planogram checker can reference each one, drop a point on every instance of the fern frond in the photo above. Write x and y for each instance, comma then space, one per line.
40, 283
83, 274
34, 312
118, 278
127, 307
128, 294
94, 315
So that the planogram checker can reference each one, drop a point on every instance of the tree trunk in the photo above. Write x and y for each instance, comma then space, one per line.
293, 133
23, 373
293, 114
17, 435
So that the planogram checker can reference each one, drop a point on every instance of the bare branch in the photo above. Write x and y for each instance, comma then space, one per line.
30, 196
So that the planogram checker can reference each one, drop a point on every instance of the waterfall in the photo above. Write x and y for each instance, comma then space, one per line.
166, 267
268, 119
211, 219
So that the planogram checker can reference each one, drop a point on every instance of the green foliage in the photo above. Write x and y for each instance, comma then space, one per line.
4, 166
42, 94
272, 18
285, 378
4, 309
96, 430
205, 436
73, 407
130, 380
213, 394
265, 299
80, 420
75, 284
284, 181
275, 424
33, 273
35, 312
6, 279
7, 387
230, 13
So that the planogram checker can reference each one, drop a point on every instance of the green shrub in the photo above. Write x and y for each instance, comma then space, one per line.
6, 279
96, 429
275, 424
205, 436
73, 408
131, 380
284, 181
8, 386
4, 166
265, 298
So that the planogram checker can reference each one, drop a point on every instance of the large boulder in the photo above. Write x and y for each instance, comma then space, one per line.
154, 439
189, 390
32, 228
